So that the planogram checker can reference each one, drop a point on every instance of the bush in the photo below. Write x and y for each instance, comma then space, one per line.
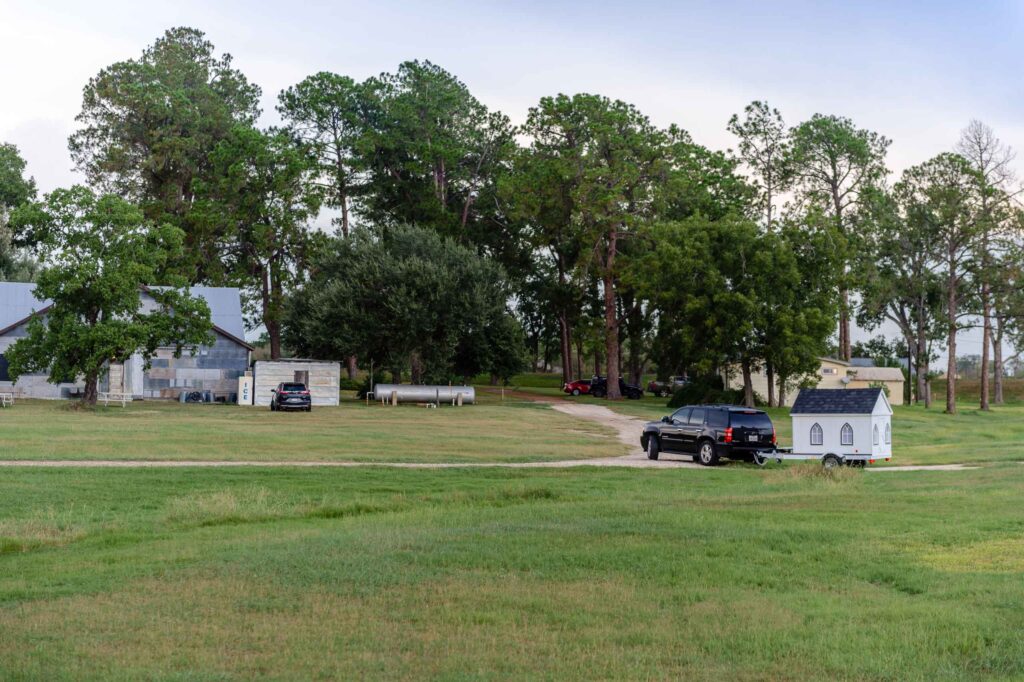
705, 390
346, 384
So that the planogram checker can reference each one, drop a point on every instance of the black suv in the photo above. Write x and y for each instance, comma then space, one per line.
599, 389
291, 396
708, 432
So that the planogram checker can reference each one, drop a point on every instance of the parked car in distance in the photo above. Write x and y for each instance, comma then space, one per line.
291, 396
578, 387
663, 389
708, 432
599, 389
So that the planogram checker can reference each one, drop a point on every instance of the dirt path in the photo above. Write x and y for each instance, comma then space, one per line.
628, 430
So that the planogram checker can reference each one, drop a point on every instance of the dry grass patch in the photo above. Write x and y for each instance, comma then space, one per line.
1004, 555
814, 471
47, 528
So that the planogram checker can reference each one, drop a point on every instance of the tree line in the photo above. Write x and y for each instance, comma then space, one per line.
464, 244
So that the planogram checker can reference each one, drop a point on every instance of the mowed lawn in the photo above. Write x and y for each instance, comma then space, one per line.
735, 573
151, 430
920, 436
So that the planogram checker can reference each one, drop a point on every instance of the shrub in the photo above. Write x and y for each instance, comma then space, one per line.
705, 390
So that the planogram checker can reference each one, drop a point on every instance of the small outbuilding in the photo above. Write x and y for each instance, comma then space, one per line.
323, 379
842, 421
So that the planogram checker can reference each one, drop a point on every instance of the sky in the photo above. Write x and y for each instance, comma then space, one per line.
916, 72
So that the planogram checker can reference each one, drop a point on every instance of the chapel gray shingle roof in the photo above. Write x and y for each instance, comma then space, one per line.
18, 301
836, 401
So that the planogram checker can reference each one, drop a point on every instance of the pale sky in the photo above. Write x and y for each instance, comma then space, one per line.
916, 72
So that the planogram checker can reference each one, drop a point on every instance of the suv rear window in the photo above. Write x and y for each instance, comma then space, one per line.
293, 387
753, 420
719, 418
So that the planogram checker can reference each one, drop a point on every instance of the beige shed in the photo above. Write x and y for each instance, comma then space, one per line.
869, 377
322, 378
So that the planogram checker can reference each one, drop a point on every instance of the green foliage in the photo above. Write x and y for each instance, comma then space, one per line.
884, 352
260, 202
15, 190
727, 292
100, 252
765, 149
404, 295
432, 155
327, 112
705, 390
149, 126
834, 163
880, 384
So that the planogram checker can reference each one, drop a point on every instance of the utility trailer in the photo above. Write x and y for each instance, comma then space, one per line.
829, 460
837, 426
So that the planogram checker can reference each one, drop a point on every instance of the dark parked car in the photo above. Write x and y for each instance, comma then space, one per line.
599, 389
663, 389
708, 432
578, 387
291, 396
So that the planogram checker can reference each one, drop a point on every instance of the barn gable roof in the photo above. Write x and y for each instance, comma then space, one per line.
18, 304
836, 401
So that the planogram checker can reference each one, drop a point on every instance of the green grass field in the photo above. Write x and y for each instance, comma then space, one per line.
731, 573
920, 436
491, 431
735, 573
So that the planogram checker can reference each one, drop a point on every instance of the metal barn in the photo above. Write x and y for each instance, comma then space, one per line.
214, 369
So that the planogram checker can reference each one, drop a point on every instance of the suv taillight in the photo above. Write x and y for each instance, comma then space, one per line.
774, 440
728, 435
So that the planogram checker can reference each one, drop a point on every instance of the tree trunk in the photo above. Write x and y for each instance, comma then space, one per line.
951, 341
782, 390
922, 360
997, 363
565, 347
748, 383
611, 321
579, 356
845, 343
416, 368
986, 340
350, 365
91, 392
769, 371
270, 321
396, 375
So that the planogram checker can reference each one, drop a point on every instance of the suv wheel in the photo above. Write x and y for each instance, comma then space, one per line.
653, 447
597, 393
706, 454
